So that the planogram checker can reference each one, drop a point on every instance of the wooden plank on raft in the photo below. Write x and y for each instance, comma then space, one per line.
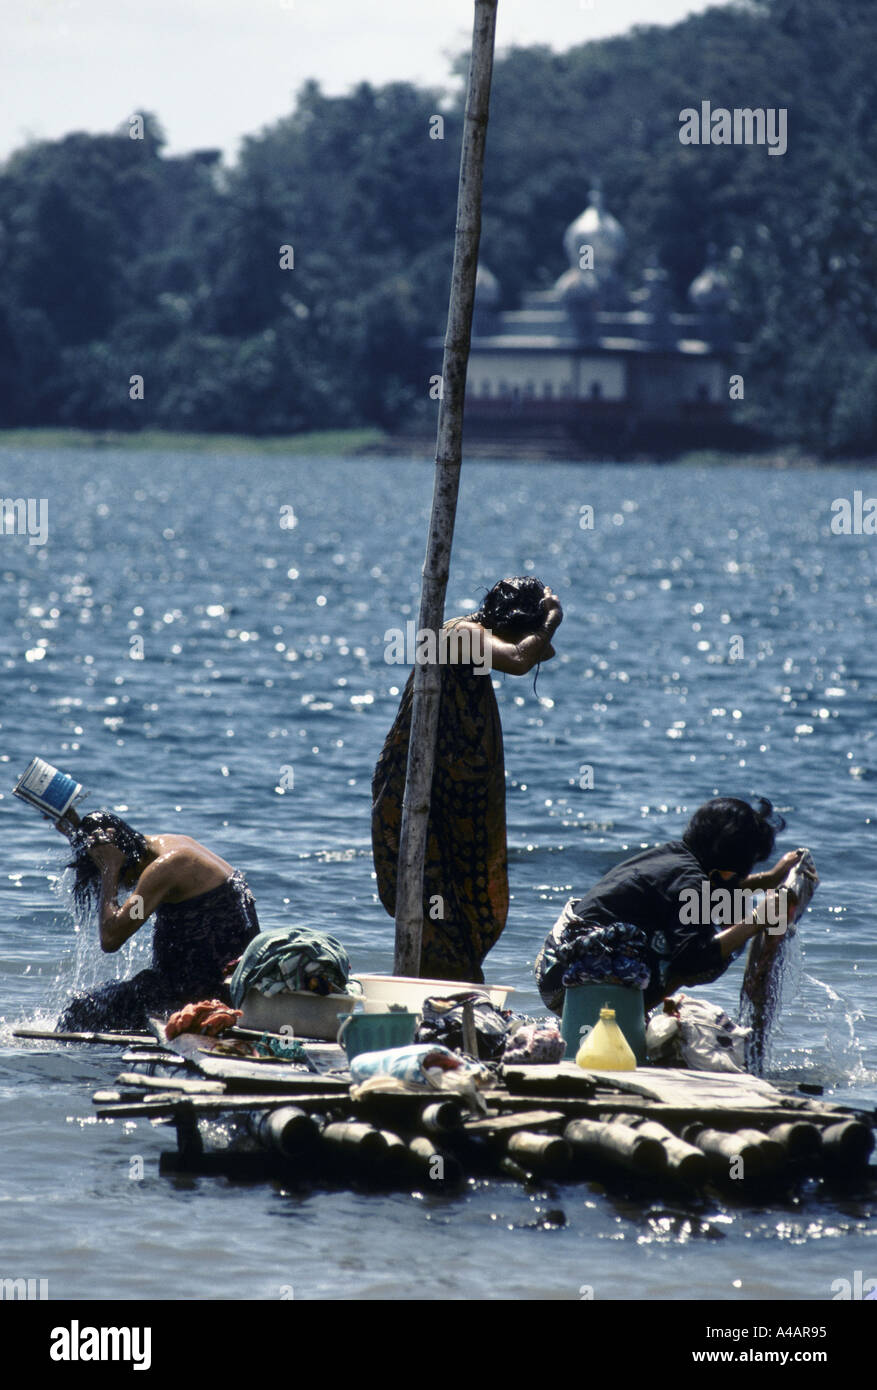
142, 1040
509, 1124
152, 1057
247, 1073
693, 1093
167, 1103
201, 1087
702, 1090
565, 1079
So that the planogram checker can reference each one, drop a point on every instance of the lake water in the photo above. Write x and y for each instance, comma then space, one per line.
178, 642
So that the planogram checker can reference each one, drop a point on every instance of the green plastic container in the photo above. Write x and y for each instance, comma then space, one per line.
375, 1032
581, 1010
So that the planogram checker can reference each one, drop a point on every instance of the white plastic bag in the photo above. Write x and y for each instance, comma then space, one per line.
697, 1035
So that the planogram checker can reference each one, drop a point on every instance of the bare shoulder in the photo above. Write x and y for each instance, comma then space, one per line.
181, 851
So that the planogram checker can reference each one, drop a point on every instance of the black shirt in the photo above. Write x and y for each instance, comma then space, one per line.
645, 890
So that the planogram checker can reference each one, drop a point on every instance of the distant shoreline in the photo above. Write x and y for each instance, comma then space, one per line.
374, 442
313, 442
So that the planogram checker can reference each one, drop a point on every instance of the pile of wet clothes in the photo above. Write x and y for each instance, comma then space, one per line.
290, 959
442, 1022
613, 955
502, 1034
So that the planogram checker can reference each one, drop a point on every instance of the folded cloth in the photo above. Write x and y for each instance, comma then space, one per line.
288, 959
606, 955
537, 1042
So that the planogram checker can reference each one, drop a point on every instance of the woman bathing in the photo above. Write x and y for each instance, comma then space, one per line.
465, 882
204, 917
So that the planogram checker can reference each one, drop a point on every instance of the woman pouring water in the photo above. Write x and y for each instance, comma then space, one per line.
202, 908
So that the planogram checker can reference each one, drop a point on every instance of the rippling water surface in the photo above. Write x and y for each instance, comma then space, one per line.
718, 638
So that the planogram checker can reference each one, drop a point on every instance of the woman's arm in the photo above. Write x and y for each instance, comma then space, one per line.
517, 658
771, 917
772, 878
117, 923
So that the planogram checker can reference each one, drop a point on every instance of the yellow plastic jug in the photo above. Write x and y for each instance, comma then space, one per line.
606, 1048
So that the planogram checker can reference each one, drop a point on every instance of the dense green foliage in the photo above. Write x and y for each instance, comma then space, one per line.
118, 260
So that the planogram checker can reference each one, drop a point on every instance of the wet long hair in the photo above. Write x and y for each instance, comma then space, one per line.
86, 881
727, 833
513, 605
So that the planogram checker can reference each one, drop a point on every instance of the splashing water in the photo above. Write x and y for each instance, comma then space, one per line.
88, 965
845, 1052
764, 994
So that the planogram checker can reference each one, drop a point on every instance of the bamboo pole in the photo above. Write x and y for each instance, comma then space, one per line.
449, 443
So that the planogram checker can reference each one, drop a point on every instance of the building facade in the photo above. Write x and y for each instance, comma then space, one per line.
597, 364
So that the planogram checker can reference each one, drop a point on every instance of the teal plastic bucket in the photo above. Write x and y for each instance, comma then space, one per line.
581, 1010
375, 1032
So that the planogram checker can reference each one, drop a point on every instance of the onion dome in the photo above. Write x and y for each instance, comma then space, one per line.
709, 291
597, 228
576, 288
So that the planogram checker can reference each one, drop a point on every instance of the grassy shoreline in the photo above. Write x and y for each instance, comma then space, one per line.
314, 442
327, 443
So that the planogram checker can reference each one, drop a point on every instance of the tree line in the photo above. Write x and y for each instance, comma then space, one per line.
293, 290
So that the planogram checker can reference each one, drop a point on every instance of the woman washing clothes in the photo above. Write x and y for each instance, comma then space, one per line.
465, 881
203, 910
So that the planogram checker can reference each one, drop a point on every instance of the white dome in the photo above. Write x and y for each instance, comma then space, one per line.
487, 290
576, 286
597, 228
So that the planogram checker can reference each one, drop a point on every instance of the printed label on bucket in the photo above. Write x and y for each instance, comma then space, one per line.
47, 788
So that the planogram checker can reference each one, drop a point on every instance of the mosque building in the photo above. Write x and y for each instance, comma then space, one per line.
593, 363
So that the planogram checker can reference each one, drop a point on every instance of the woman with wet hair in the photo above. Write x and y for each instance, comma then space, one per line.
465, 881
203, 910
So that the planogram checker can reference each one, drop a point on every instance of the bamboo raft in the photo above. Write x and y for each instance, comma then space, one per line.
668, 1129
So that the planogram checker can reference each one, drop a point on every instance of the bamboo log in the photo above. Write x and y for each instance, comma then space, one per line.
448, 459
540, 1153
441, 1167
616, 1145
685, 1162
514, 1170
847, 1145
801, 1139
288, 1130
774, 1155
723, 1150
441, 1117
353, 1137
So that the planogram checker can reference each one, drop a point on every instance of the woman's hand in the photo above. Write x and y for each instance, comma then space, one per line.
66, 826
783, 867
552, 613
104, 853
